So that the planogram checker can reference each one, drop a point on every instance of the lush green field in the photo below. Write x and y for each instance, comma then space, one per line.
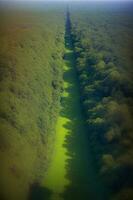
32, 45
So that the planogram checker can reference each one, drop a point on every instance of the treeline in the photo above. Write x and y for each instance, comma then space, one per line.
102, 44
32, 45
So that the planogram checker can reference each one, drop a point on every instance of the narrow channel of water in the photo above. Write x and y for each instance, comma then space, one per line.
71, 175
56, 177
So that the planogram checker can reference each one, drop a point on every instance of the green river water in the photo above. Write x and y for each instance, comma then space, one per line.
71, 175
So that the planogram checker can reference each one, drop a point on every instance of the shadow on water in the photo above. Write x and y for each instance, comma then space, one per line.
38, 192
80, 168
85, 183
79, 165
83, 179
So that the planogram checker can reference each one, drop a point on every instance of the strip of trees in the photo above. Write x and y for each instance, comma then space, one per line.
32, 45
103, 59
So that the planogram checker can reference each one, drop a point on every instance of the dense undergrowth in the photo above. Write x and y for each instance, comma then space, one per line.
32, 45
102, 43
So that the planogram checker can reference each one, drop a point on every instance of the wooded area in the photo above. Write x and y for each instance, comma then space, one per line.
103, 51
32, 45
66, 93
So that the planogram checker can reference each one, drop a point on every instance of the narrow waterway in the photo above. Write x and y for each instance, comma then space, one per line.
71, 175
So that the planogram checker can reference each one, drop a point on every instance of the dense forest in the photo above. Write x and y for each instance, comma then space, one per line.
30, 84
103, 51
66, 93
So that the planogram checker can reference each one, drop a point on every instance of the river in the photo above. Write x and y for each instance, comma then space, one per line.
71, 174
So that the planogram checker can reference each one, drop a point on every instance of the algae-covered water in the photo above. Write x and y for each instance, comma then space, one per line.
56, 177
71, 174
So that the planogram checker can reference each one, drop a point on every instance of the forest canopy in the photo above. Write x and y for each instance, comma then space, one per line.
30, 85
103, 50
66, 93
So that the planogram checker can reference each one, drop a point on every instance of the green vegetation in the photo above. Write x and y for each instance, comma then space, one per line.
56, 179
72, 173
103, 58
66, 101
32, 46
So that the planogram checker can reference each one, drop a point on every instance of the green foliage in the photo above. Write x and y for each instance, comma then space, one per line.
32, 45
101, 42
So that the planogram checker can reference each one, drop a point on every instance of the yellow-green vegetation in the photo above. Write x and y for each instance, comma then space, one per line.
71, 174
56, 179
32, 45
66, 101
